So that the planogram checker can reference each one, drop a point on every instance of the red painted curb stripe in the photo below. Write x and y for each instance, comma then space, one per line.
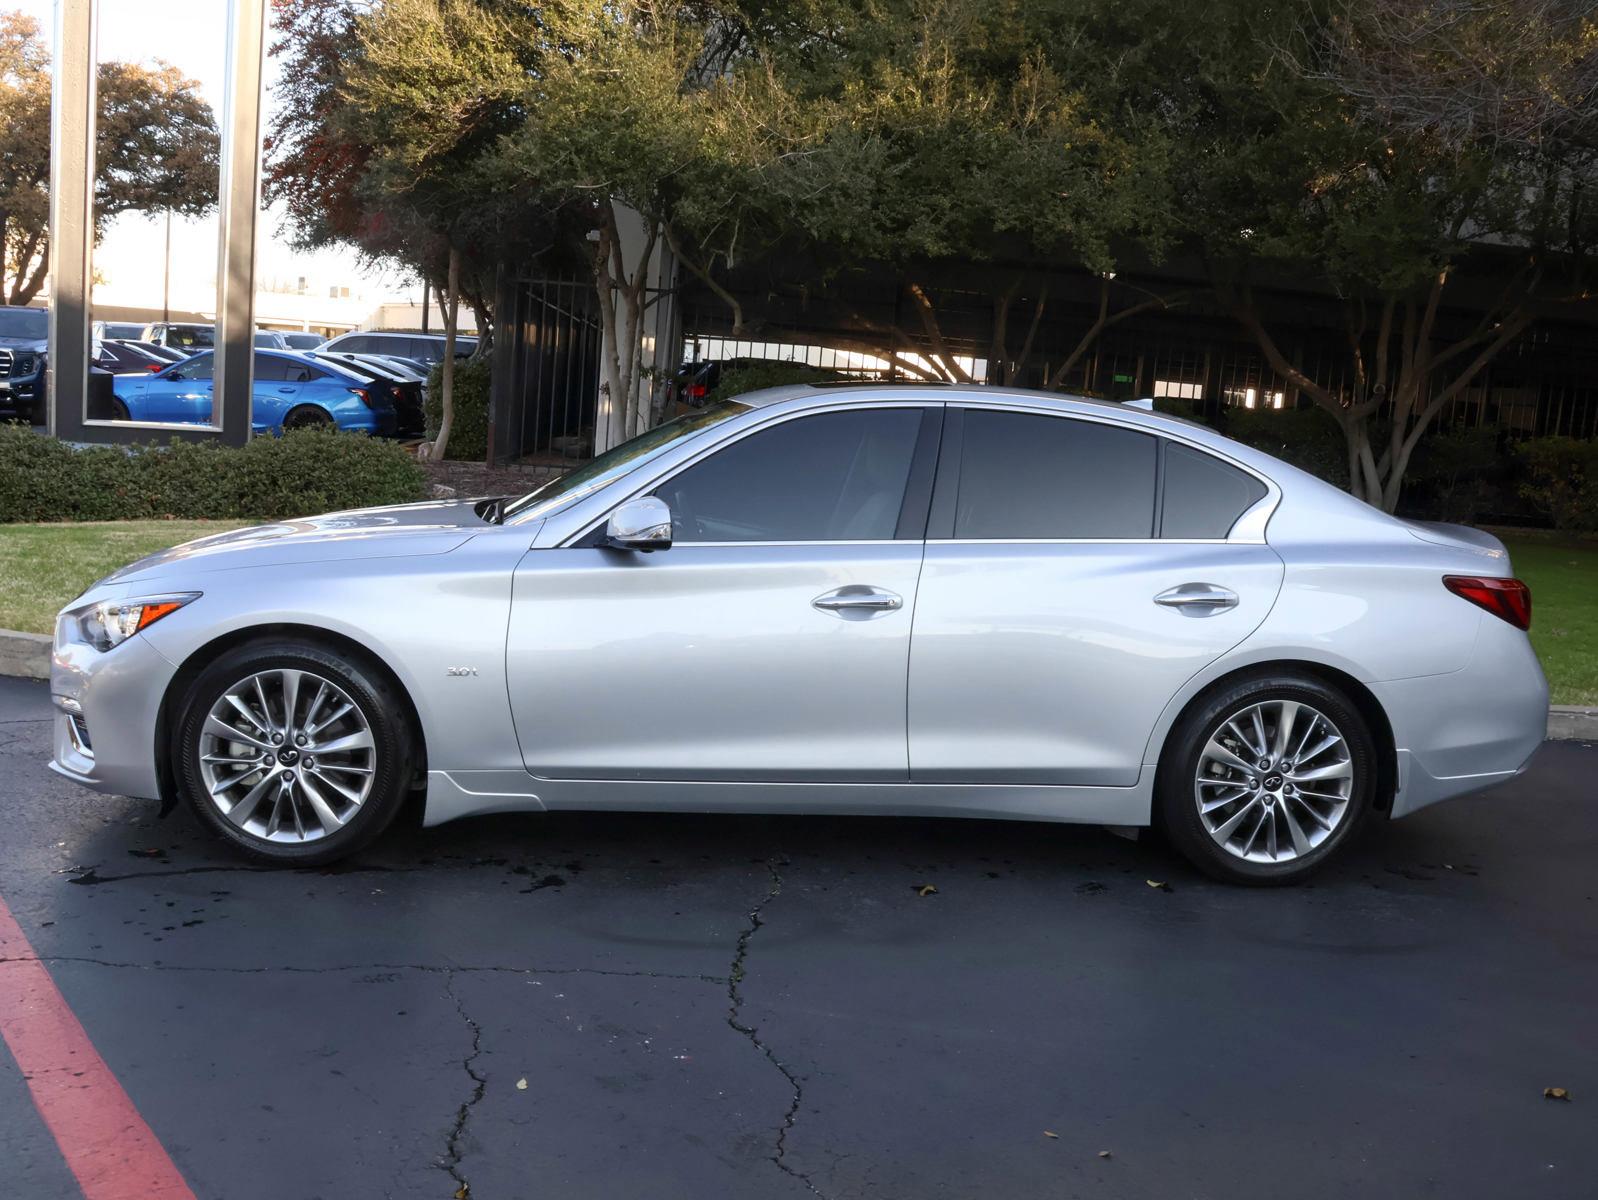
107, 1145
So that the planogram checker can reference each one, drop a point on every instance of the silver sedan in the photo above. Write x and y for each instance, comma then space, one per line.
931, 601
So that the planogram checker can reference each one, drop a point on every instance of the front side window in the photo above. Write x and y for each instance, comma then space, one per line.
606, 468
198, 367
1025, 475
833, 477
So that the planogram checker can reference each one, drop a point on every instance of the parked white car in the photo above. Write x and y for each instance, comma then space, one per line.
917, 600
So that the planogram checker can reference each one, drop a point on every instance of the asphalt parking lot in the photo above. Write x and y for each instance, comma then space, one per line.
650, 1006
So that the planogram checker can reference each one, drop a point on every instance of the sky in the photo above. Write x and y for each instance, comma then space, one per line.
129, 261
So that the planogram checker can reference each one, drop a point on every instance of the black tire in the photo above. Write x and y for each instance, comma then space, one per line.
394, 757
1176, 789
308, 416
119, 411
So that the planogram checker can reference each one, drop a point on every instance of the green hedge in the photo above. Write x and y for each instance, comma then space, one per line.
468, 434
1562, 481
303, 472
738, 380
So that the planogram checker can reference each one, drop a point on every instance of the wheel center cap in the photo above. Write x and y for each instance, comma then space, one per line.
1273, 783
287, 756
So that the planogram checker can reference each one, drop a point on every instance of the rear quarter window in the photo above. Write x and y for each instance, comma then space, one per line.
1203, 496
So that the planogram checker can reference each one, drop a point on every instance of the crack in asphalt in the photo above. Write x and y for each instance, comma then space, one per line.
735, 1002
452, 1146
91, 875
431, 968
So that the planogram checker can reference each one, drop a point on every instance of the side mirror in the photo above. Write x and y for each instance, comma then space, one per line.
643, 523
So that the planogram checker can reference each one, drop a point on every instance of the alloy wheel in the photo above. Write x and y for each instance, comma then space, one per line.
1274, 781
287, 755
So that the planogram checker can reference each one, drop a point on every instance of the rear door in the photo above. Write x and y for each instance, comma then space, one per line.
1077, 573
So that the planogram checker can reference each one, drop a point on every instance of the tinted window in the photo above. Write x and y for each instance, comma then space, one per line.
353, 345
1026, 476
1204, 496
835, 477
269, 368
198, 367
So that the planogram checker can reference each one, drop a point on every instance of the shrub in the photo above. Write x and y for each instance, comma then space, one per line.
468, 434
1308, 438
1562, 481
738, 380
1456, 475
304, 471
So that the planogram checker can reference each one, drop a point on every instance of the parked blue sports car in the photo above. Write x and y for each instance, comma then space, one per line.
291, 392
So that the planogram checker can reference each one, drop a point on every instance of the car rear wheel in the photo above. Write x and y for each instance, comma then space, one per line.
293, 753
308, 416
1266, 779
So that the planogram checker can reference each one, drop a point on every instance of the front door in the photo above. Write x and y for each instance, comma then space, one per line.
770, 642
1077, 574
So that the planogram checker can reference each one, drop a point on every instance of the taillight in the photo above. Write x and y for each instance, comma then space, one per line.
1508, 599
154, 367
366, 397
697, 391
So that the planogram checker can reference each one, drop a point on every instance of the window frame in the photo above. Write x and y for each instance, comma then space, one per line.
914, 507
1248, 529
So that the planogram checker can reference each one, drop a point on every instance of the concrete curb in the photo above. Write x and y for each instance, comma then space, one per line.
25, 654
1571, 722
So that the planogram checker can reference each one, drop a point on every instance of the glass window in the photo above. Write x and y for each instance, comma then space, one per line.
834, 477
198, 367
618, 460
354, 345
1204, 496
269, 368
1029, 476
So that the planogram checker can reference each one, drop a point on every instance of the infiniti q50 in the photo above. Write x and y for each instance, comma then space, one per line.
935, 601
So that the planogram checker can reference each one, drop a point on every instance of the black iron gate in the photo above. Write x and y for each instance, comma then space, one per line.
546, 371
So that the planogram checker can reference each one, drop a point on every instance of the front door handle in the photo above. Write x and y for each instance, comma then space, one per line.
857, 597
1197, 599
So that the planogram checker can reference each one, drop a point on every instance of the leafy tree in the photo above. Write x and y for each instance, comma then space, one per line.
156, 149
1289, 167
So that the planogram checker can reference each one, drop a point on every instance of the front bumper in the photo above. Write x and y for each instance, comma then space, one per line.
109, 743
21, 399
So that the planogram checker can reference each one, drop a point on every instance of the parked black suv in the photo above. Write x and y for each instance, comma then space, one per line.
24, 342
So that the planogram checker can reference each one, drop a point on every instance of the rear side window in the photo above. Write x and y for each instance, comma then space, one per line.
269, 368
1029, 476
1204, 496
833, 477
353, 345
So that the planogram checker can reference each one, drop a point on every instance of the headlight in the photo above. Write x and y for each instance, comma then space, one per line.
112, 622
24, 364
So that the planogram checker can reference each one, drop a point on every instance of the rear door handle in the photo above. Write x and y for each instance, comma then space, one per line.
1197, 599
857, 596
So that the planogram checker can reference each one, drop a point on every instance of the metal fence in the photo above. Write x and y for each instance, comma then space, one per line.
546, 371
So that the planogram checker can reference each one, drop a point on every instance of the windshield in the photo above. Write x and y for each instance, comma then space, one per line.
618, 460
189, 335
24, 323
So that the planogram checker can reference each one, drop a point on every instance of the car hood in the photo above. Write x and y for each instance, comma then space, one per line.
21, 343
391, 532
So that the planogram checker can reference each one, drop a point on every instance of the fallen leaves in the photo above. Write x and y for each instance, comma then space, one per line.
521, 1085
1049, 1133
1556, 1094
1158, 885
925, 889
1105, 1154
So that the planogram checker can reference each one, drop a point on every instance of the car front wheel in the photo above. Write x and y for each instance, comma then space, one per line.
1266, 779
292, 752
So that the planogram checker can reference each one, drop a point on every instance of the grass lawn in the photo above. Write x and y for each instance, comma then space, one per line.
44, 566
1562, 573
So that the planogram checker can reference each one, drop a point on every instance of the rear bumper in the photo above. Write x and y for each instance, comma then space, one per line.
1471, 729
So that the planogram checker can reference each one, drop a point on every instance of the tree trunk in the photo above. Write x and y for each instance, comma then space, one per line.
446, 379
